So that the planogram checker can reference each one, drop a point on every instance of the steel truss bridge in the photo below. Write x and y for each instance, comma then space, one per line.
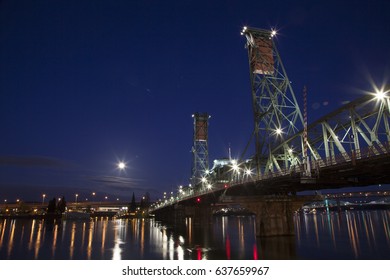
348, 147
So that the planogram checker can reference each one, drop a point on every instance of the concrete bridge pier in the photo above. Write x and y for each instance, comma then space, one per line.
173, 214
200, 213
274, 217
274, 214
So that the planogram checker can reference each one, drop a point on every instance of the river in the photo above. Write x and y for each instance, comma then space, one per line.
345, 235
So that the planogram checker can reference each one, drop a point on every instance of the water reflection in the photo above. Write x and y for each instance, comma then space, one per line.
347, 235
236, 235
118, 235
126, 239
353, 235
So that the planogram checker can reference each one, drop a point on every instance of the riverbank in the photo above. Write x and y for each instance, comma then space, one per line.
52, 216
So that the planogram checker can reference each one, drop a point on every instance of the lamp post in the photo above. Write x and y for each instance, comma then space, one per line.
235, 170
43, 198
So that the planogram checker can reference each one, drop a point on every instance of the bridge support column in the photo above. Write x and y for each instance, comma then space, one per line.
274, 216
201, 214
174, 214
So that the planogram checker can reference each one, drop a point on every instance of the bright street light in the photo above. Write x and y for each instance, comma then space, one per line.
235, 165
380, 94
248, 172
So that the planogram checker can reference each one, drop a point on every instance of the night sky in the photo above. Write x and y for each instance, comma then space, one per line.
85, 84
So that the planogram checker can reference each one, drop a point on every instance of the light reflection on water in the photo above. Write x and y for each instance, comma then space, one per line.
348, 235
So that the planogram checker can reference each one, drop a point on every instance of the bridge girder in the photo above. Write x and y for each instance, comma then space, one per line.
355, 130
347, 134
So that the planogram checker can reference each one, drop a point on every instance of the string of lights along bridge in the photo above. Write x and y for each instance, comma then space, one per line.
348, 147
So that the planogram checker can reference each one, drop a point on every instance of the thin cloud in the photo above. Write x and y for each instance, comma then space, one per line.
115, 180
134, 189
120, 185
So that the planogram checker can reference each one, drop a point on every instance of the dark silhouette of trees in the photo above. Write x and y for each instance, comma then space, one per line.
61, 206
145, 201
133, 205
51, 208
143, 204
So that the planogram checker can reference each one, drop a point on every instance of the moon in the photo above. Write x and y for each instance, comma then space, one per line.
121, 165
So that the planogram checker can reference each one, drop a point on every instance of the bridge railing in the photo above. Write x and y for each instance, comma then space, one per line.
339, 159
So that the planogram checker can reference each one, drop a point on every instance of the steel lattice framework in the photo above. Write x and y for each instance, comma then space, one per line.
200, 165
359, 129
283, 141
275, 109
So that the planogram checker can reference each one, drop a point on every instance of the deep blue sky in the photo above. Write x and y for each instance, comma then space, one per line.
84, 84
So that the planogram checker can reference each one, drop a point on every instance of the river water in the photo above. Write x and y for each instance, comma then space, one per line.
346, 235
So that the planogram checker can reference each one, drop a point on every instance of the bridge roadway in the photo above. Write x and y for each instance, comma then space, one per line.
272, 198
369, 169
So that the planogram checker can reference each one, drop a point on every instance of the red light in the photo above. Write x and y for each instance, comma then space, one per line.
226, 186
198, 199
255, 257
228, 251
199, 251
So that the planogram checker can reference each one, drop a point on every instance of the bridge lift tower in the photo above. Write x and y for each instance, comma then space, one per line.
200, 165
275, 109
